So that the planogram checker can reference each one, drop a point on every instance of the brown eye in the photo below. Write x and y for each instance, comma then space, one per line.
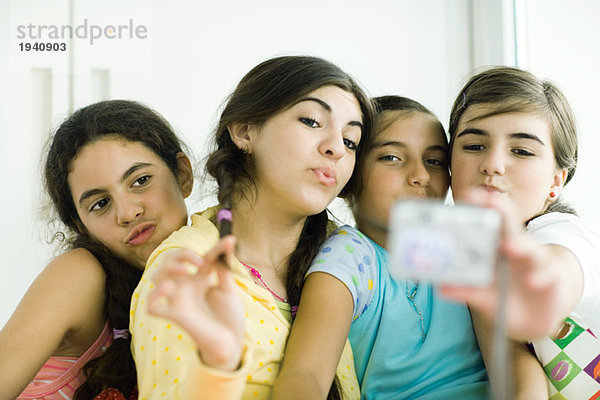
142, 180
473, 147
434, 162
99, 204
522, 152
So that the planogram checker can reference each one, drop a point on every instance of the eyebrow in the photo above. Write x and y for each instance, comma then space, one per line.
327, 108
394, 143
397, 143
92, 192
517, 135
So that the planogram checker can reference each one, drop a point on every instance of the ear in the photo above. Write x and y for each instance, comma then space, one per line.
185, 174
560, 177
241, 135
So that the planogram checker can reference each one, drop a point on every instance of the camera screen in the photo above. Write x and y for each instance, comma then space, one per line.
443, 244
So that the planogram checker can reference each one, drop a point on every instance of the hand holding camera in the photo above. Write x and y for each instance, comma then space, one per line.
454, 245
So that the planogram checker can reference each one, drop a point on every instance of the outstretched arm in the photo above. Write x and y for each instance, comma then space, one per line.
546, 281
317, 339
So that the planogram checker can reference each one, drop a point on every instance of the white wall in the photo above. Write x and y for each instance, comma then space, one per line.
561, 41
26, 79
194, 55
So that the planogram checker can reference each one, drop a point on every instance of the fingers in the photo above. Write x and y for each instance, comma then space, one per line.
222, 253
183, 268
505, 206
183, 262
178, 262
526, 260
226, 281
158, 303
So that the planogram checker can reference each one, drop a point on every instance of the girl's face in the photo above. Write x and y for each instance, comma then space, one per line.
305, 155
408, 159
127, 198
509, 155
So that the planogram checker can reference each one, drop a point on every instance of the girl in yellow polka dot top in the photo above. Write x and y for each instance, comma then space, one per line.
210, 317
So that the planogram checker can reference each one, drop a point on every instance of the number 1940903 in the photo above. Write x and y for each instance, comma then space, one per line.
41, 46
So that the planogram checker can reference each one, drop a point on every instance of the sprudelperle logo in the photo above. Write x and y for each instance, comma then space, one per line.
82, 31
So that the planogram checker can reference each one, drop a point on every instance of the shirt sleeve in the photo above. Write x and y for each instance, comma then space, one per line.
350, 257
571, 233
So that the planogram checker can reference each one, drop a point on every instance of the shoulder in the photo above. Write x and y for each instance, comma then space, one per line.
565, 230
61, 313
348, 234
67, 296
350, 256
349, 241
578, 238
199, 237
556, 221
75, 283
78, 267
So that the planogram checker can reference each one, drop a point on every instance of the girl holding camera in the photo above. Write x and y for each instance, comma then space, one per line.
514, 147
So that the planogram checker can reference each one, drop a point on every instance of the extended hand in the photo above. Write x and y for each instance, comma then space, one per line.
534, 289
200, 295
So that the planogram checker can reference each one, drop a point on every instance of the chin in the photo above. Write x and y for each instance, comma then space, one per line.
315, 204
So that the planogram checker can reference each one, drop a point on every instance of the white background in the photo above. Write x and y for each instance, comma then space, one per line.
196, 52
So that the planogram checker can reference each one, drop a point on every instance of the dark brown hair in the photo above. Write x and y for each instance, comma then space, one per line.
132, 122
269, 88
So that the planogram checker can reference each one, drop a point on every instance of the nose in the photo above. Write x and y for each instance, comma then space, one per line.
128, 211
418, 176
332, 146
493, 163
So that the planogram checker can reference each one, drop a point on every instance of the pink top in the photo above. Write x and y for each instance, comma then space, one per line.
59, 377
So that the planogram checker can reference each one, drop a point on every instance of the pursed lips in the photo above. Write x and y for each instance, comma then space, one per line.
491, 188
325, 175
140, 234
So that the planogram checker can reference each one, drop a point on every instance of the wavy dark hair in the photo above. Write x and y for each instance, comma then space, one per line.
269, 88
129, 121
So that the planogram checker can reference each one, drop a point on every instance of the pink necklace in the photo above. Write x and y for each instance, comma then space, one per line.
255, 273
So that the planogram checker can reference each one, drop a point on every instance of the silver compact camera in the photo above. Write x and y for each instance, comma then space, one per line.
454, 245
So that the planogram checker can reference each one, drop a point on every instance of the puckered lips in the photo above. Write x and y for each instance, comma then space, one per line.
140, 233
491, 188
325, 175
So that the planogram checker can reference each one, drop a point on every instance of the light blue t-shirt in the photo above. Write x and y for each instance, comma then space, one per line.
396, 355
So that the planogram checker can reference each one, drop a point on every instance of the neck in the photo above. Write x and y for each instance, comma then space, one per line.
375, 232
266, 236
